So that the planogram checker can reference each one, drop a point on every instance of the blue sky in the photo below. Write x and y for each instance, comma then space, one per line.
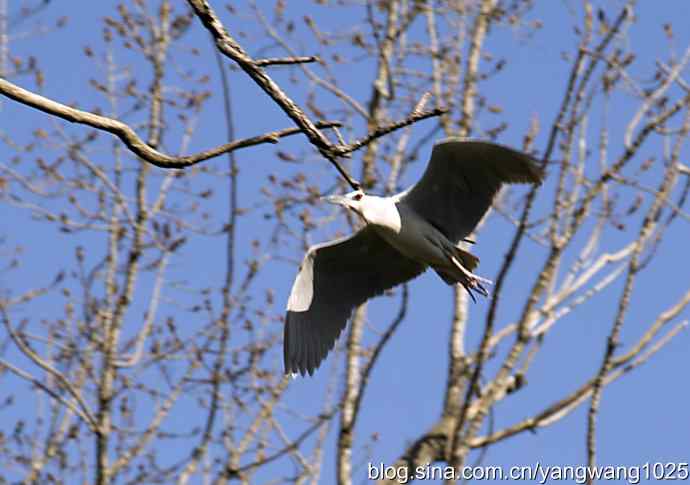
643, 416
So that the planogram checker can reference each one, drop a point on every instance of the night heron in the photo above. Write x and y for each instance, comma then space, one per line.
403, 236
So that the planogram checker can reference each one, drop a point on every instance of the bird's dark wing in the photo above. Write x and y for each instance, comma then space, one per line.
461, 180
333, 279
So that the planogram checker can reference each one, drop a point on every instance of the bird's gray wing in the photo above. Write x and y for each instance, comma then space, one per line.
461, 180
333, 279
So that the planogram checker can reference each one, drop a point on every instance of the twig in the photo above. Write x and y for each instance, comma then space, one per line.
273, 61
41, 385
230, 473
386, 129
128, 135
646, 229
229, 47
564, 406
82, 408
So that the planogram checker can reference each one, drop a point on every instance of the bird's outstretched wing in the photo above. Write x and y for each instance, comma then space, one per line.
461, 180
333, 279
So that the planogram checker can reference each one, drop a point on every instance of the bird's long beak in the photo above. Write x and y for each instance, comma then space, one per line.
336, 199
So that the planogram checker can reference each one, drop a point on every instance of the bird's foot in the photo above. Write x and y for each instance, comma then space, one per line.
476, 283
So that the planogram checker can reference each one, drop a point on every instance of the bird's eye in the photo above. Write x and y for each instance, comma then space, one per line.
357, 196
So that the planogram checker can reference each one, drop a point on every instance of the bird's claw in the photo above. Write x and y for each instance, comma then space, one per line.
476, 283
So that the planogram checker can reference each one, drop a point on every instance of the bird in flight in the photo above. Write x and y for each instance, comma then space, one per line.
404, 235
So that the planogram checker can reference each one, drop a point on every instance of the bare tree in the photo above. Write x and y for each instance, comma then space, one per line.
139, 366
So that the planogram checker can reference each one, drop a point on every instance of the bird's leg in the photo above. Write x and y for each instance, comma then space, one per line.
473, 281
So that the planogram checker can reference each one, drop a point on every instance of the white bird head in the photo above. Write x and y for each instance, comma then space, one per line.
354, 201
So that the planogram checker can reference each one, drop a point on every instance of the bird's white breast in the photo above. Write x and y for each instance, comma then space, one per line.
409, 233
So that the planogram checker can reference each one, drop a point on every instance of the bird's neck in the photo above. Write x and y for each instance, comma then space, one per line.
381, 212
